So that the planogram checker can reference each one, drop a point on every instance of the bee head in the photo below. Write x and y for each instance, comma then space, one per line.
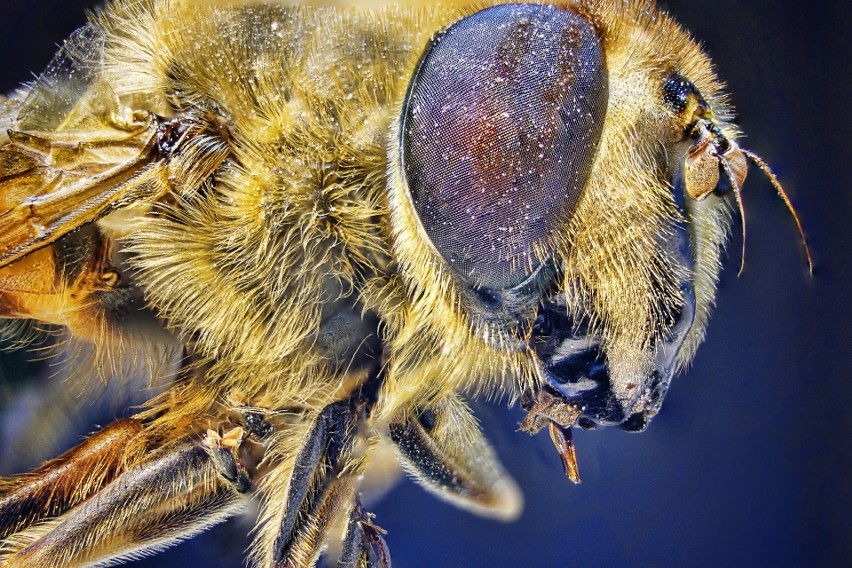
559, 182
511, 186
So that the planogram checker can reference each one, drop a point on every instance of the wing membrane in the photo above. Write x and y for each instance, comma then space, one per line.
51, 184
72, 152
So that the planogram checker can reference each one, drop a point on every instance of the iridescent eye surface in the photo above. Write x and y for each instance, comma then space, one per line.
499, 131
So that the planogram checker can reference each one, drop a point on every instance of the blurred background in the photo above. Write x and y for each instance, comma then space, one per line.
749, 461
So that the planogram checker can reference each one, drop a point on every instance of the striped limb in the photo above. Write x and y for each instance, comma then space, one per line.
125, 511
440, 446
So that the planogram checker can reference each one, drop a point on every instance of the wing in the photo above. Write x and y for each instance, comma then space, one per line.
43, 198
74, 152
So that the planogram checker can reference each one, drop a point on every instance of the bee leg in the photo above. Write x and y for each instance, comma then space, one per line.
364, 544
172, 494
322, 484
64, 482
444, 450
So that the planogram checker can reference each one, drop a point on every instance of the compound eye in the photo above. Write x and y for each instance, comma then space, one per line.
499, 132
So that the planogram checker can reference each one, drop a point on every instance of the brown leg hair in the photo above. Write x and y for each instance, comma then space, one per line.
172, 494
64, 482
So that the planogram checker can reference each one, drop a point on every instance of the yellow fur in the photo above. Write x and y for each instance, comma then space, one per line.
292, 199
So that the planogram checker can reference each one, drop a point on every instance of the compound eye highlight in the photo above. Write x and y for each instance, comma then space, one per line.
499, 132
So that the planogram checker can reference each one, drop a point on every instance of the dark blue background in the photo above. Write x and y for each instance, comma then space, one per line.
748, 464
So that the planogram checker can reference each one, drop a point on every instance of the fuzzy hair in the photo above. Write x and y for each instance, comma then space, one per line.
290, 197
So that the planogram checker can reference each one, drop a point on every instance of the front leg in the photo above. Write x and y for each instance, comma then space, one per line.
322, 486
443, 449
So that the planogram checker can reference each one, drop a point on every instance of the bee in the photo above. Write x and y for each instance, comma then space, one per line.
321, 230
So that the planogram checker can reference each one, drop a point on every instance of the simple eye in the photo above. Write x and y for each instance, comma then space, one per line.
686, 100
499, 131
677, 93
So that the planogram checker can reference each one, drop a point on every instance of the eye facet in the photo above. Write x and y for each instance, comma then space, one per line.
499, 132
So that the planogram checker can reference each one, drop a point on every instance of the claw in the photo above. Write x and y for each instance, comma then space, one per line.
364, 543
375, 536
